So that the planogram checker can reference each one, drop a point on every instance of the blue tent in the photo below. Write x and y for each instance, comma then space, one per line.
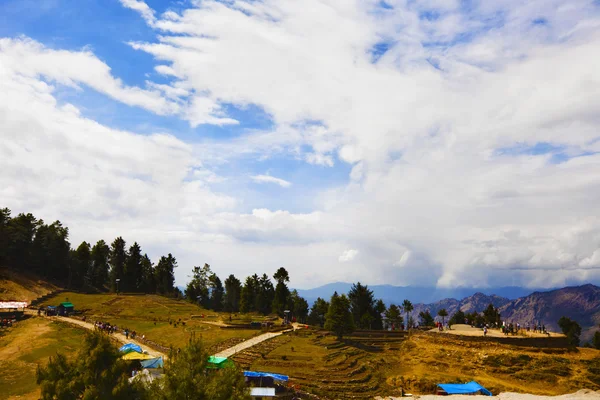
129, 347
154, 363
253, 374
464, 388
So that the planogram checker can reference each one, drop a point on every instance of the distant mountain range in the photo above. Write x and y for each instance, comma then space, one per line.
396, 294
475, 303
581, 303
516, 304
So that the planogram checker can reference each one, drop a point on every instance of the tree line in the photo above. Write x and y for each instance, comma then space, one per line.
31, 245
359, 309
256, 294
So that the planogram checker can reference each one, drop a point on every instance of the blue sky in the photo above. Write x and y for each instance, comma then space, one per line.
397, 142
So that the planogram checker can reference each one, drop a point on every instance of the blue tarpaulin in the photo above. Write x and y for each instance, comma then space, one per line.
129, 347
254, 374
464, 388
154, 363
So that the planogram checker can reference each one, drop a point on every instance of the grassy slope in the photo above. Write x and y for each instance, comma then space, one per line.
21, 287
150, 315
320, 365
28, 344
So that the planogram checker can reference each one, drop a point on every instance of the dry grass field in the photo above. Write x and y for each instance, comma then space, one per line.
168, 322
27, 344
360, 368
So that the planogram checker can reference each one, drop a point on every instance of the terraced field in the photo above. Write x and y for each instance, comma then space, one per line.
367, 364
320, 365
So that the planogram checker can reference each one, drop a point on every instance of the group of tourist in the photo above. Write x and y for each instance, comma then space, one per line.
514, 329
110, 329
105, 327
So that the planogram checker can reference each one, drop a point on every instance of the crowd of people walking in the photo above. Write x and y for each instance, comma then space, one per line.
110, 329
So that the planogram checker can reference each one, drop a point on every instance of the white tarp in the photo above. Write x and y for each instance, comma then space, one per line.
5, 305
262, 392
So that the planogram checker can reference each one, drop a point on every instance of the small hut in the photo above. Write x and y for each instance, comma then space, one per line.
65, 308
265, 384
215, 362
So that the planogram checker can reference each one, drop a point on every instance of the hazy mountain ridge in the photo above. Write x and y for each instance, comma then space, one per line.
581, 303
475, 303
424, 295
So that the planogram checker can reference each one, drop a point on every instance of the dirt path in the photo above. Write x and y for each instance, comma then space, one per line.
249, 343
118, 336
225, 353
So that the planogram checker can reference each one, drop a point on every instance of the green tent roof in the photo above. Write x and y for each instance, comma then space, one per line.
67, 304
219, 362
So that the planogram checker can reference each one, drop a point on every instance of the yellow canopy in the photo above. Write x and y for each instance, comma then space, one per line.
137, 356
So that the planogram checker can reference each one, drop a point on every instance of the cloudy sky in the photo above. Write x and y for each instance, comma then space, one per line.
409, 142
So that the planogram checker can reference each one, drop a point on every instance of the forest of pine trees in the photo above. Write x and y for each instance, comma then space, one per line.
29, 244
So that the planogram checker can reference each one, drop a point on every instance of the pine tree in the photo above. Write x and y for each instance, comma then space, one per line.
265, 295
98, 275
198, 289
133, 280
394, 316
339, 319
407, 307
426, 319
362, 305
249, 294
148, 278
571, 329
299, 306
118, 257
282, 293
81, 264
380, 309
164, 274
317, 312
458, 318
233, 293
217, 293
443, 313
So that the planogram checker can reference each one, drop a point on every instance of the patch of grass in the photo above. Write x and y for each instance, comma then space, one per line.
27, 344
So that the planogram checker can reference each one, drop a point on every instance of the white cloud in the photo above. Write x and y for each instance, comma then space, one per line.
31, 59
443, 186
348, 255
271, 179
139, 6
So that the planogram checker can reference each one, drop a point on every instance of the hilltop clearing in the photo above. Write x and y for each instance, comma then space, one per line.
22, 287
